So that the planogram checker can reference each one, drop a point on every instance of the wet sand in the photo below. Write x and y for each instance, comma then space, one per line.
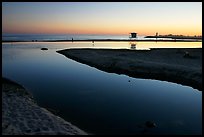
22, 116
178, 65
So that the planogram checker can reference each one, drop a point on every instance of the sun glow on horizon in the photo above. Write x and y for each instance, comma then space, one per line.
102, 18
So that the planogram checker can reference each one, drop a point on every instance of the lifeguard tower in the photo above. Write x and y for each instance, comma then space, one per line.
133, 35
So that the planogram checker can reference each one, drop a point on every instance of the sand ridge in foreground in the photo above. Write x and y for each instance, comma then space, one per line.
22, 116
179, 65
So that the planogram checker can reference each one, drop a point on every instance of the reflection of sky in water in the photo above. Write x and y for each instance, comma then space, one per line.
114, 45
97, 101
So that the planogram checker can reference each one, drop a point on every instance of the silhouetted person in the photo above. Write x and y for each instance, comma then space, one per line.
92, 41
72, 39
156, 36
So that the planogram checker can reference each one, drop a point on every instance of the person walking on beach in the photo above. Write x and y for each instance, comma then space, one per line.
72, 39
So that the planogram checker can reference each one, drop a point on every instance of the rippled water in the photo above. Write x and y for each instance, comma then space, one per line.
100, 102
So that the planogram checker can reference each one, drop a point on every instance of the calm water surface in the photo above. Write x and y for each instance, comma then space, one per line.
30, 37
100, 102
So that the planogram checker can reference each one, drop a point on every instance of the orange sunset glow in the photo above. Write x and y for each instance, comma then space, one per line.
102, 18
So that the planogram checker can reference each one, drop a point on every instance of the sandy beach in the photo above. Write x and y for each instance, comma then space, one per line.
178, 65
22, 116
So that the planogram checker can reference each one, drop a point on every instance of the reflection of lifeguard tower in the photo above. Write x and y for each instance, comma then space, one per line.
133, 46
133, 35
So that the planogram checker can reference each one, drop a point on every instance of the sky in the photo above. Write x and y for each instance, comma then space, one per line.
117, 18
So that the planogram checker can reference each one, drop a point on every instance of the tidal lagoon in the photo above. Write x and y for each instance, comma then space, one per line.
100, 102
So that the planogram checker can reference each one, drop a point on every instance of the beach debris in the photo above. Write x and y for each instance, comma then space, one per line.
44, 48
150, 124
186, 54
189, 56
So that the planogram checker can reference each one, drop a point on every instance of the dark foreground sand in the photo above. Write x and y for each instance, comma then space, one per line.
22, 116
183, 66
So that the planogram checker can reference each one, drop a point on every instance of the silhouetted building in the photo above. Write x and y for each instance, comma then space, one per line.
133, 35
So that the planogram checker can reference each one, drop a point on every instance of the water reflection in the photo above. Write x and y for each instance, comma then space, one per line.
100, 102
112, 45
132, 45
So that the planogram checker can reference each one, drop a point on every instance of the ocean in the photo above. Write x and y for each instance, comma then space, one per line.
30, 37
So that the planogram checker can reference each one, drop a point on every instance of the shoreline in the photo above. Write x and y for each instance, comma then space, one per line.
22, 116
175, 37
105, 40
182, 66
